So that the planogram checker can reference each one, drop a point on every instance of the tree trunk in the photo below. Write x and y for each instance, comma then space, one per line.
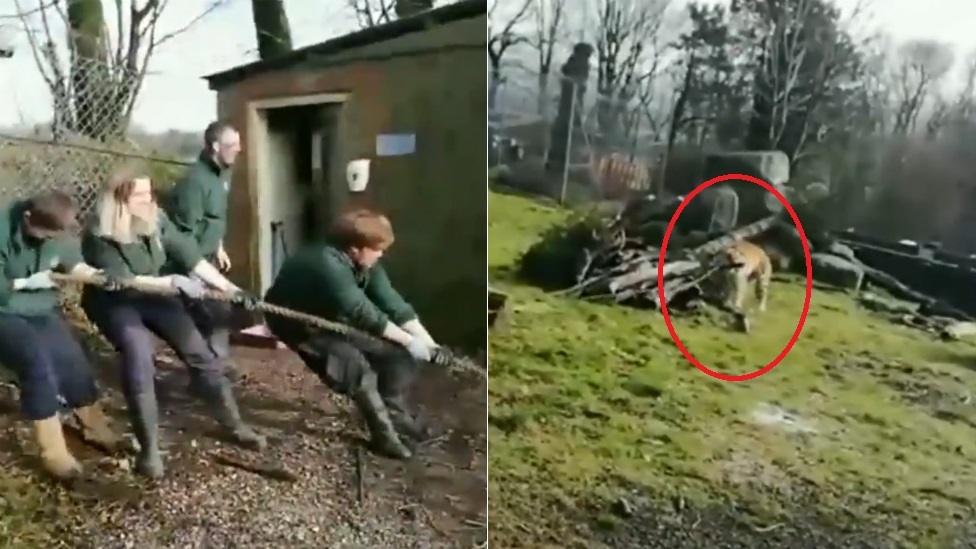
496, 80
271, 27
96, 113
543, 101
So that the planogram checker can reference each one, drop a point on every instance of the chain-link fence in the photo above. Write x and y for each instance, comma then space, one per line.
562, 139
83, 143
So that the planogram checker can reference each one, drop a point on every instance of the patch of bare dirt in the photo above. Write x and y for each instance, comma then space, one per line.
741, 468
636, 521
316, 447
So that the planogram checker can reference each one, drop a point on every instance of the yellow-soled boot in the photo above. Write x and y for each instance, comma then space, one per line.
54, 452
96, 427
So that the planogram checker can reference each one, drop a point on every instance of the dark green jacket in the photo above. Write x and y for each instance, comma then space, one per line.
22, 256
321, 280
146, 256
197, 205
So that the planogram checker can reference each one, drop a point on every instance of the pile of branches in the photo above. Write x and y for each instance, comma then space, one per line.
617, 259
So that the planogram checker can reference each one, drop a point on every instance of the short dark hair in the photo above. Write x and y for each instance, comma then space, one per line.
361, 228
52, 211
213, 132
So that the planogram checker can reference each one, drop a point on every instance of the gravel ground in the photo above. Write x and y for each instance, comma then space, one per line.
437, 499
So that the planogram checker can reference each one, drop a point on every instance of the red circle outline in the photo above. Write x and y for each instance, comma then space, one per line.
806, 257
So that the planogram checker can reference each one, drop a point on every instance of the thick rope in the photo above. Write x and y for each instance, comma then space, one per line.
442, 356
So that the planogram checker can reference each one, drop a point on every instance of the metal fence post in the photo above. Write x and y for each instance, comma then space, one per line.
569, 143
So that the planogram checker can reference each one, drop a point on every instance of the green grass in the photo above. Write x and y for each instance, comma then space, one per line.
587, 398
33, 513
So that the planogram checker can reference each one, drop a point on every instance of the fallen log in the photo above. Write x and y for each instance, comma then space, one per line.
683, 286
930, 305
748, 231
625, 269
646, 270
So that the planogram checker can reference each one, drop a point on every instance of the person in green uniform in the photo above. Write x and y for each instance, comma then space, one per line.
342, 280
131, 238
36, 341
197, 206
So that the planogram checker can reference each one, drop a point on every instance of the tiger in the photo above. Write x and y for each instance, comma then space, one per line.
751, 264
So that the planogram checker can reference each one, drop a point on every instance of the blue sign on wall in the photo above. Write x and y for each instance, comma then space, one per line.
395, 144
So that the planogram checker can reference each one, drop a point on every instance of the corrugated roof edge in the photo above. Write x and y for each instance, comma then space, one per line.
462, 9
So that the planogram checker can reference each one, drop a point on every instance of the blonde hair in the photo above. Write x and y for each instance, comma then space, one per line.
113, 219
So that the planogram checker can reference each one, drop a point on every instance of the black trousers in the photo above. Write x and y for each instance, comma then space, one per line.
49, 361
129, 320
348, 365
213, 319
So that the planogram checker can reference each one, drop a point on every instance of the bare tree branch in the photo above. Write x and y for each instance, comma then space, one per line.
214, 4
35, 47
94, 92
923, 63
626, 30
500, 42
549, 22
21, 13
370, 13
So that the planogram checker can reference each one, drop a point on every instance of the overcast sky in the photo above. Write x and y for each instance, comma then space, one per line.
174, 96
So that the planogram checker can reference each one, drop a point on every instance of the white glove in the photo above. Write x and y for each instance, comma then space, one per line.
419, 349
416, 329
39, 281
189, 287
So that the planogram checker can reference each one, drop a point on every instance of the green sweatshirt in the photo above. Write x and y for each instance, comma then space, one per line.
22, 256
323, 281
197, 205
147, 256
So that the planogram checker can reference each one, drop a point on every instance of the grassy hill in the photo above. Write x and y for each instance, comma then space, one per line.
601, 432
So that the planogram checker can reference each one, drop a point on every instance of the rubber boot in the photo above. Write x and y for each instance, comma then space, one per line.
96, 427
383, 435
224, 408
56, 458
144, 414
406, 423
393, 385
233, 374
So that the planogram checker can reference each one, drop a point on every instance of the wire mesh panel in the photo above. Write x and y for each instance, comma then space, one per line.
31, 167
544, 151
84, 141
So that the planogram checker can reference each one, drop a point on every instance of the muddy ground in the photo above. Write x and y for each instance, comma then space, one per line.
437, 499
636, 521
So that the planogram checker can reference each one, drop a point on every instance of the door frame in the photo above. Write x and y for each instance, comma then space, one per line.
257, 135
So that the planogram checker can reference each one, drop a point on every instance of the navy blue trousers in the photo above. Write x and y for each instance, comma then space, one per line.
48, 360
128, 321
